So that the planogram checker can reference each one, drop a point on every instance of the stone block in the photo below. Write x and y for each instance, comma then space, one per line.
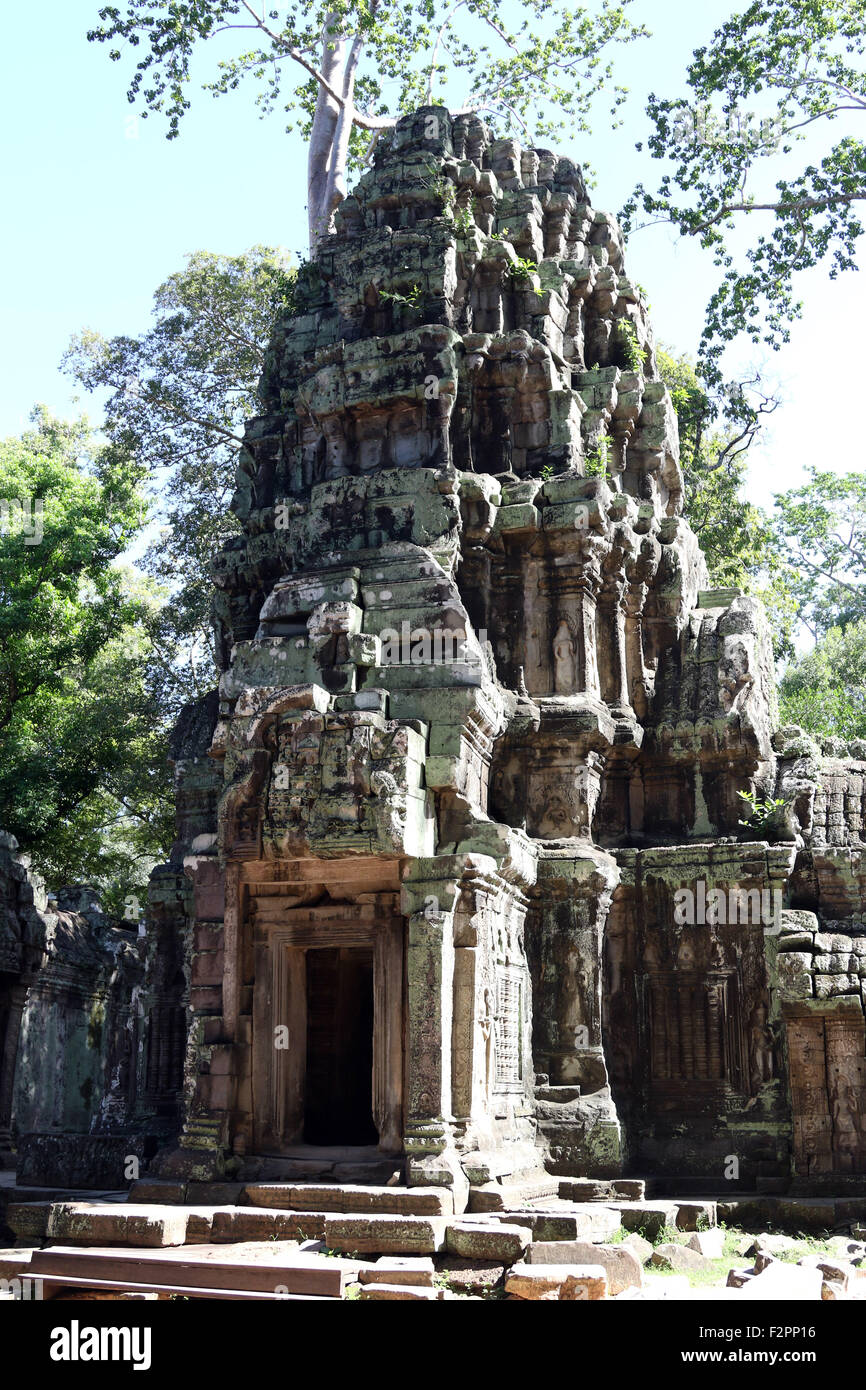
783, 1282
116, 1223
397, 1269
400, 1293
548, 1282
678, 1257
708, 1243
621, 1264
487, 1242
383, 1235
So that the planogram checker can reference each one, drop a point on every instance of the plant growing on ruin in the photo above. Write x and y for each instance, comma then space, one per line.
630, 348
343, 73
596, 462
410, 300
464, 219
763, 811
521, 272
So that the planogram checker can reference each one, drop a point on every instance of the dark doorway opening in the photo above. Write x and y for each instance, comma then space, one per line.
338, 1105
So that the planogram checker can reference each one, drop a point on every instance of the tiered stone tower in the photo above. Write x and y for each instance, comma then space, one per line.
482, 725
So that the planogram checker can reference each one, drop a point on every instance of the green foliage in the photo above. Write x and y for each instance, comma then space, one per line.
464, 219
762, 811
824, 690
180, 395
83, 778
411, 300
521, 271
595, 463
544, 63
737, 538
626, 339
734, 168
821, 528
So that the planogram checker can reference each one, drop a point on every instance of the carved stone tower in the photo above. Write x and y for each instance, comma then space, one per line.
481, 719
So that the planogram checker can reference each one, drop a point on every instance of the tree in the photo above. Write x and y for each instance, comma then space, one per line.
736, 537
824, 691
78, 726
331, 63
180, 395
821, 528
798, 58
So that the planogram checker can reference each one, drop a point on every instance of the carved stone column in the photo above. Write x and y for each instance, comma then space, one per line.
8, 1059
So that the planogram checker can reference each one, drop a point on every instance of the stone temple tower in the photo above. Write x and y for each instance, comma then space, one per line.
481, 730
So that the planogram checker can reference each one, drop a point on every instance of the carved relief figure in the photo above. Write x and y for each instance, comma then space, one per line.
760, 1048
564, 661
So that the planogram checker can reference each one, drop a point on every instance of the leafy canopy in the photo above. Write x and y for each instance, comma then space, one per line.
824, 690
180, 394
83, 776
343, 71
780, 73
738, 541
821, 527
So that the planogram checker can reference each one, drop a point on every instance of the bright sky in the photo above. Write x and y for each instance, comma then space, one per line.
101, 208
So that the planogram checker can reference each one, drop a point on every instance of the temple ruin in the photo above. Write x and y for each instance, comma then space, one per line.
462, 888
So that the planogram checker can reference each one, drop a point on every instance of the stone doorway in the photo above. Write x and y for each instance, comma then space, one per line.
338, 1092
328, 1026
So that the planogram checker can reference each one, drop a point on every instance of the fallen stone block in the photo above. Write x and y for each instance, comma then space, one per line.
499, 1241
383, 1235
771, 1243
28, 1220
253, 1223
116, 1223
14, 1262
400, 1293
832, 1271
691, 1216
621, 1265
640, 1247
400, 1269
711, 1244
784, 1281
649, 1219
546, 1282
475, 1276
678, 1257
591, 1221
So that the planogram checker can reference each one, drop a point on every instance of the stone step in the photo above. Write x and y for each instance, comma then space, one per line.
650, 1218
260, 1271
116, 1223
347, 1198
496, 1196
385, 1234
591, 1221
327, 1165
14, 1262
602, 1189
